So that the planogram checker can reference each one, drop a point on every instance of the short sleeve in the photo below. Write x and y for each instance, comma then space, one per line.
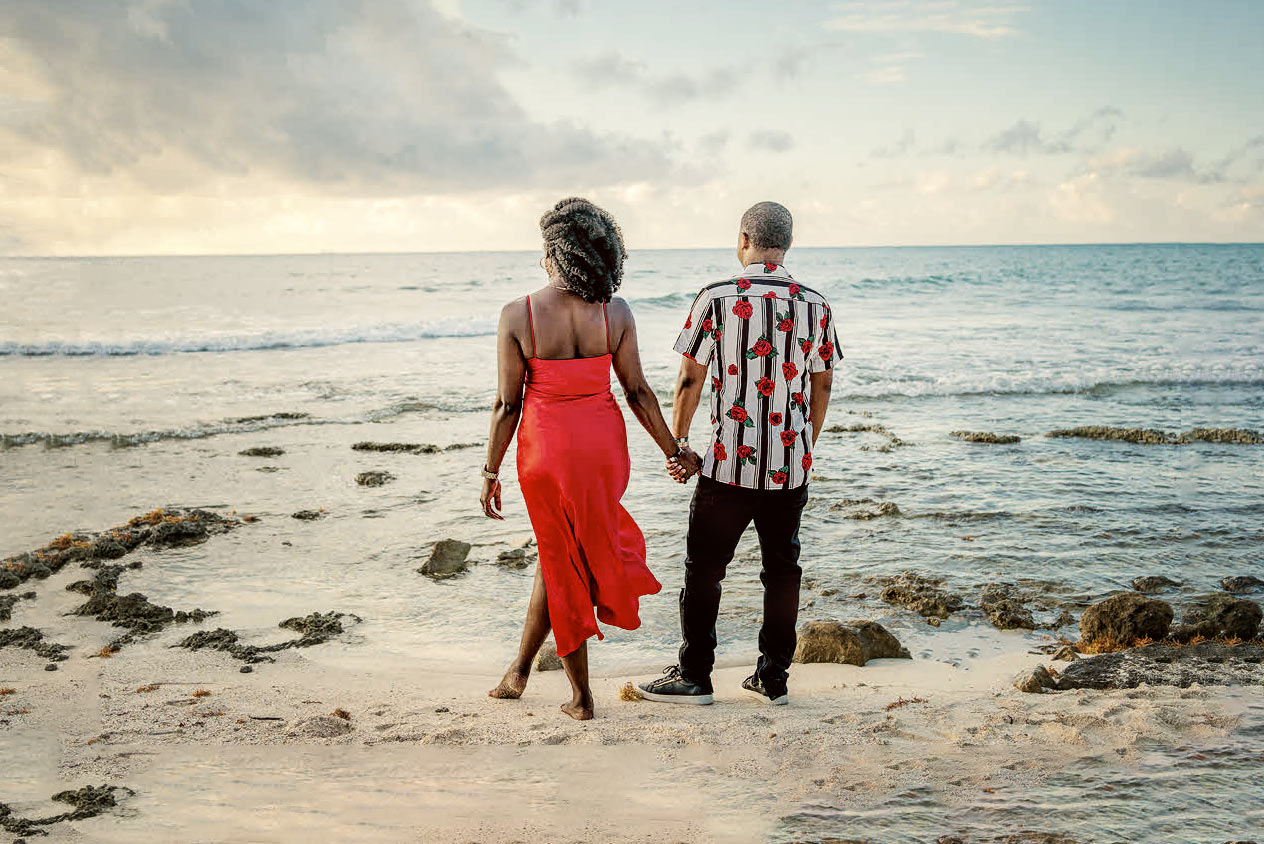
827, 353
697, 338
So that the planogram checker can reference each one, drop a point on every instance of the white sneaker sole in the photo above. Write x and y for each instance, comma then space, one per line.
771, 701
696, 700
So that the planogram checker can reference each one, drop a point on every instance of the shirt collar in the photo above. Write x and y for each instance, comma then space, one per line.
760, 270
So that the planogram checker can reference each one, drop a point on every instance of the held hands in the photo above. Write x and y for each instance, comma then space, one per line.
684, 466
490, 497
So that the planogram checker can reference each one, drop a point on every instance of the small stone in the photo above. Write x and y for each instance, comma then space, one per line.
307, 515
1238, 584
985, 437
1151, 583
922, 595
547, 659
374, 478
262, 451
1066, 653
1035, 680
853, 643
447, 558
1125, 618
246, 669
515, 558
52, 666
1220, 615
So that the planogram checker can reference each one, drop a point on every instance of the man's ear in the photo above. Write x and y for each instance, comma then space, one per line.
743, 240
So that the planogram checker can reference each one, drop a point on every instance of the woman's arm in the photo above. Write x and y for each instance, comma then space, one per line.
507, 410
639, 394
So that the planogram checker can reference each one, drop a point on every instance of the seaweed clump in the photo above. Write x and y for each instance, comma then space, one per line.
87, 802
315, 629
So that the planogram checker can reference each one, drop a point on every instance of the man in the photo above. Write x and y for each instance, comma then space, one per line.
770, 345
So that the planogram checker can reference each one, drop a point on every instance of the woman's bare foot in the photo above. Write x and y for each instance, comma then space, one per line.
581, 709
512, 686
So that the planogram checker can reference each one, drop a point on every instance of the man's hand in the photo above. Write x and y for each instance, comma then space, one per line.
685, 466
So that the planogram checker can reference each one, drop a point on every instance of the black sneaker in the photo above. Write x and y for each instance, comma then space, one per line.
775, 697
673, 688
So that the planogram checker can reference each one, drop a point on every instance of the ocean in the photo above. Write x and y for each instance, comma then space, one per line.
133, 383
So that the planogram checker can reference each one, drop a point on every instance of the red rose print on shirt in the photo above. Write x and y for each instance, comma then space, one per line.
732, 369
743, 284
745, 454
807, 462
769, 267
715, 383
784, 322
806, 346
788, 438
743, 309
779, 476
765, 386
720, 453
738, 414
796, 292
761, 349
771, 294
827, 349
691, 357
774, 419
825, 319
796, 400
689, 321
789, 370
707, 325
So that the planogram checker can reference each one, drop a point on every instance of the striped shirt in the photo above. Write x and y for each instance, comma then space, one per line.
762, 334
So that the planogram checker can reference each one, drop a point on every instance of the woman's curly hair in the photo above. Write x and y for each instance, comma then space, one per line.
585, 245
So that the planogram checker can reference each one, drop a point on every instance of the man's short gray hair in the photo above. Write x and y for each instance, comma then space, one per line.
768, 225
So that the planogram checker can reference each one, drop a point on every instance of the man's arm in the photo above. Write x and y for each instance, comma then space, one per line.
688, 393
822, 384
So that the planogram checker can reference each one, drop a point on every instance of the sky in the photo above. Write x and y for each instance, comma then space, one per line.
231, 126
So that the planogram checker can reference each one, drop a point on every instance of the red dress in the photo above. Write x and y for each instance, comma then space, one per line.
573, 468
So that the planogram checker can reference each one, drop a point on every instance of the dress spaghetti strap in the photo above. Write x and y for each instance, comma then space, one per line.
531, 325
606, 317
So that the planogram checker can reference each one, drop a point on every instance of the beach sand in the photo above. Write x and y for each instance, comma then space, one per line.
427, 757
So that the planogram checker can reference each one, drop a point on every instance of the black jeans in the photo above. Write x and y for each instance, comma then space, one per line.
718, 517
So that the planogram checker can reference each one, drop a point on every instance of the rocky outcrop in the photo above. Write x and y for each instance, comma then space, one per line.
308, 515
892, 441
985, 437
853, 643
1125, 618
515, 558
1005, 606
1207, 663
7, 602
1152, 436
864, 509
33, 640
316, 628
446, 559
1151, 583
374, 478
1241, 584
923, 595
262, 451
1219, 616
134, 611
410, 448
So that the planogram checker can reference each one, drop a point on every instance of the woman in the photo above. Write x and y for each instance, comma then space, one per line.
573, 463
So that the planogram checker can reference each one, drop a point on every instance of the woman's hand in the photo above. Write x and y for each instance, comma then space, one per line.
684, 466
490, 497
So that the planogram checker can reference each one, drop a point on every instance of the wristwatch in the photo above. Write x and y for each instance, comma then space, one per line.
682, 442
489, 474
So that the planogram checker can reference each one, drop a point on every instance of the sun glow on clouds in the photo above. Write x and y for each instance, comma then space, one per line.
152, 126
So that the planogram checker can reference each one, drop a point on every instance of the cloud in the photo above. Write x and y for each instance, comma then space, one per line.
901, 147
1174, 163
771, 140
1025, 137
957, 17
612, 68
889, 69
353, 97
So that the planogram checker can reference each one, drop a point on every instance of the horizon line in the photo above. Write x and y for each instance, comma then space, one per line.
1012, 245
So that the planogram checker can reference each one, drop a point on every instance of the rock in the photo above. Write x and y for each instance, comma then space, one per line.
108, 548
1125, 618
246, 669
33, 640
864, 509
262, 451
9, 580
1150, 436
1239, 584
52, 666
1035, 680
319, 626
1207, 663
307, 515
40, 571
1065, 618
1066, 653
315, 628
8, 601
1220, 615
447, 558
854, 643
874, 428
374, 478
408, 448
178, 534
922, 595
319, 726
1005, 607
135, 612
985, 437
547, 659
515, 558
1151, 583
